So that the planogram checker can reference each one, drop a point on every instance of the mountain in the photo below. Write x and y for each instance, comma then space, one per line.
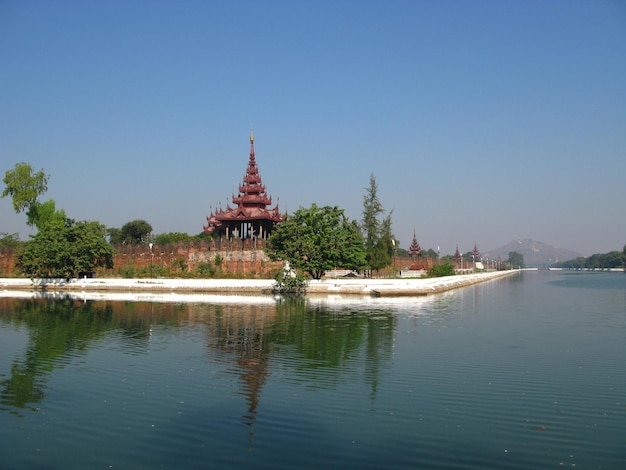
536, 254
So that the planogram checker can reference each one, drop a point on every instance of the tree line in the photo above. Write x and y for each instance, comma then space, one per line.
610, 260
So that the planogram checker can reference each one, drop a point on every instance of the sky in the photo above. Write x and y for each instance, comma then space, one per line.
481, 121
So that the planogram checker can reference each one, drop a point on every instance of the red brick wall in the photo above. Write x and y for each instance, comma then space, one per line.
238, 259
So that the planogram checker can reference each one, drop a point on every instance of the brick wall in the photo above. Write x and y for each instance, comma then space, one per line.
230, 258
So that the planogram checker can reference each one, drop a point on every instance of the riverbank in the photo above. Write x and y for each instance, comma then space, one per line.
347, 286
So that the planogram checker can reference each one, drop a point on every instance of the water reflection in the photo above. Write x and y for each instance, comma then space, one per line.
58, 330
307, 342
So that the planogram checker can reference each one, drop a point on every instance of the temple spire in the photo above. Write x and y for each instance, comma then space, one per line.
251, 145
415, 249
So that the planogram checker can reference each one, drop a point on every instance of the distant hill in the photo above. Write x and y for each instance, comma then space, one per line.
536, 254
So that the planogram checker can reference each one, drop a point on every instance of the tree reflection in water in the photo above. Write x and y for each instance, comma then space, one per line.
311, 345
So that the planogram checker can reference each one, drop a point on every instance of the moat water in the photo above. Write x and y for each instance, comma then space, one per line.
522, 372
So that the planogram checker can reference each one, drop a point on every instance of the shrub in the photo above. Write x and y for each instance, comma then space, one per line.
205, 269
289, 281
440, 270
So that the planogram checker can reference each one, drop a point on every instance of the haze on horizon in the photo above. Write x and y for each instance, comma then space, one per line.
482, 121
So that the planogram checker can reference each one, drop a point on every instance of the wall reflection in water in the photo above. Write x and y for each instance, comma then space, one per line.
306, 342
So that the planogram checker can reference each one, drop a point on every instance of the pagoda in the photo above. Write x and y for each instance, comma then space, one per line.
475, 253
251, 218
457, 256
415, 249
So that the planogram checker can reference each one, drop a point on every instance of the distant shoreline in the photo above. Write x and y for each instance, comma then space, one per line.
363, 287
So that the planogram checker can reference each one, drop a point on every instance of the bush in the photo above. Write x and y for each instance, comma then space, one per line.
205, 269
180, 264
440, 270
128, 271
288, 281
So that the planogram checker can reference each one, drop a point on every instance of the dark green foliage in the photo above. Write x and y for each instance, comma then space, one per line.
40, 214
610, 260
440, 270
9, 240
316, 240
516, 260
171, 238
379, 239
65, 249
287, 281
134, 232
205, 269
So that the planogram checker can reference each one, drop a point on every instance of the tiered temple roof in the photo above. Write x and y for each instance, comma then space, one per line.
415, 249
475, 253
252, 217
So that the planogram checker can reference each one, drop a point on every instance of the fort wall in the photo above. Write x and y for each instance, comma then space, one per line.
220, 258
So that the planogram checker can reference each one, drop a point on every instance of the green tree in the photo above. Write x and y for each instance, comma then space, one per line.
9, 239
316, 240
24, 185
372, 209
516, 260
379, 244
134, 232
440, 270
61, 247
115, 236
171, 238
40, 213
381, 253
65, 248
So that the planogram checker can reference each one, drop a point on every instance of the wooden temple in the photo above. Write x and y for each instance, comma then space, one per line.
252, 218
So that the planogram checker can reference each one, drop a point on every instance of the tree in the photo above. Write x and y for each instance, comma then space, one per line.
9, 239
372, 208
381, 253
440, 270
65, 248
379, 240
24, 185
61, 247
171, 238
516, 260
316, 240
40, 213
134, 232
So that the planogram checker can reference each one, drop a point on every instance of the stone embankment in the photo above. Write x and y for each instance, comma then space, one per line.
401, 287
348, 286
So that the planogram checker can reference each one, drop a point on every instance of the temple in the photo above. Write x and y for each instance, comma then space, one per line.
251, 218
415, 249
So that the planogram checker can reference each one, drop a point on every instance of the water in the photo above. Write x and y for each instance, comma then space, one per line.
522, 372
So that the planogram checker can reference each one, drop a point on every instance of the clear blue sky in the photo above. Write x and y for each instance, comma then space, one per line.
482, 121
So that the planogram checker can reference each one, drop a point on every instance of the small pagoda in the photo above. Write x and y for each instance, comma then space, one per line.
251, 218
458, 259
415, 250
